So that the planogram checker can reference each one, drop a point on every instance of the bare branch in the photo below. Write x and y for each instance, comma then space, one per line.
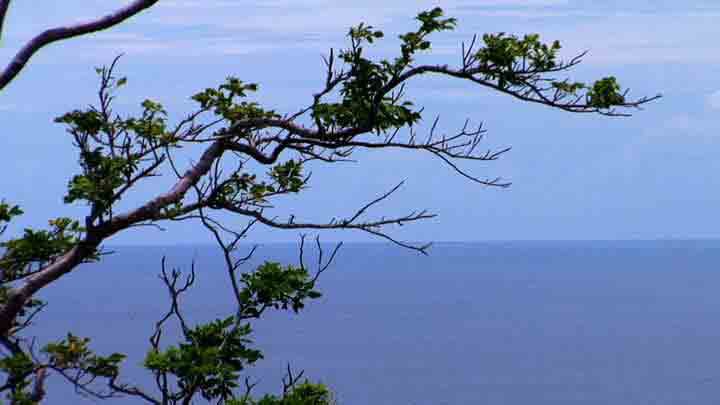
322, 266
290, 380
231, 264
372, 227
171, 283
131, 391
83, 385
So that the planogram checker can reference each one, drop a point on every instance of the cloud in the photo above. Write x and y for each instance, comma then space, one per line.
681, 134
679, 123
684, 125
613, 35
713, 100
623, 38
327, 16
452, 94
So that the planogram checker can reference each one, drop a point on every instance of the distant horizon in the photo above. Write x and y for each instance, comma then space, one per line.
445, 242
547, 324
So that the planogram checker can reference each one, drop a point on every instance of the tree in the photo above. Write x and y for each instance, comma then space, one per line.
251, 156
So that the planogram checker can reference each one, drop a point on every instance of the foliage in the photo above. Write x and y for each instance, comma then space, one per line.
37, 247
302, 394
103, 175
221, 101
7, 212
73, 353
18, 367
273, 286
210, 360
364, 102
605, 93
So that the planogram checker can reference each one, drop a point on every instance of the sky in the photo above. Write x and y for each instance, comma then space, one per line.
650, 176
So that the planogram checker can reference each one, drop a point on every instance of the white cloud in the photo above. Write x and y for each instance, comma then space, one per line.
679, 123
453, 94
328, 16
624, 38
684, 125
713, 100
180, 27
611, 36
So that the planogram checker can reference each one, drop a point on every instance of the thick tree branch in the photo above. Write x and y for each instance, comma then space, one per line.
38, 391
61, 33
255, 153
95, 236
151, 209
4, 5
18, 297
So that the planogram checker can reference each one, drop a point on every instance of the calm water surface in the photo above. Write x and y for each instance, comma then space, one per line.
517, 323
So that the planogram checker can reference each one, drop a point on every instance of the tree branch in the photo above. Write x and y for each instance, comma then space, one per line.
152, 208
373, 227
4, 5
61, 33
471, 75
85, 248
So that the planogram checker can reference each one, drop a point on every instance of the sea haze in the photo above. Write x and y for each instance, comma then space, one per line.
507, 323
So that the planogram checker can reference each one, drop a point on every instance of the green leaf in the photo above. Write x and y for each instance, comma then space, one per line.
605, 93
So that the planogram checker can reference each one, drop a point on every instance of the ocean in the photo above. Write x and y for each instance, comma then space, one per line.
497, 323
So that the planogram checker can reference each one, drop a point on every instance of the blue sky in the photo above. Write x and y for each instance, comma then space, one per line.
653, 175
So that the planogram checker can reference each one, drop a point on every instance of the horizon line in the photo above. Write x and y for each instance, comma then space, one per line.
443, 242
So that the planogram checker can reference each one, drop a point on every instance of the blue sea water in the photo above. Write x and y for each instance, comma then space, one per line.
502, 323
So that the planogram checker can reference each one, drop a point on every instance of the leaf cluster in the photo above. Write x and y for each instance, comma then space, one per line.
71, 356
245, 188
151, 125
517, 63
112, 149
364, 102
89, 122
288, 176
509, 58
605, 93
73, 353
7, 213
275, 286
222, 101
240, 188
210, 359
18, 367
305, 393
102, 175
38, 247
